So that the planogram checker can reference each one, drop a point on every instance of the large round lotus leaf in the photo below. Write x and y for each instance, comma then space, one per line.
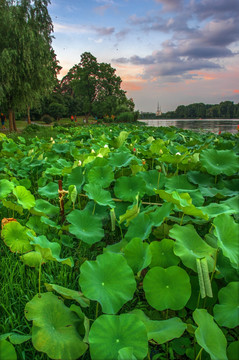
61, 148
5, 188
54, 330
36, 225
214, 209
226, 313
53, 171
85, 226
45, 208
201, 179
24, 197
161, 331
76, 178
219, 161
167, 288
127, 188
111, 333
179, 183
95, 192
153, 179
162, 253
7, 351
126, 353
120, 159
140, 226
108, 280
49, 191
209, 336
233, 203
233, 350
101, 175
16, 238
137, 254
227, 232
189, 246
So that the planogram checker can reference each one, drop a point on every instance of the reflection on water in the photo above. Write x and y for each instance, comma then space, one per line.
208, 125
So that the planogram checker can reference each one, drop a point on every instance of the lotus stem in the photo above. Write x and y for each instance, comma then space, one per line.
39, 279
97, 310
199, 354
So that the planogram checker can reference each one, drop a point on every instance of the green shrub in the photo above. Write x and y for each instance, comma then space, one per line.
47, 119
125, 117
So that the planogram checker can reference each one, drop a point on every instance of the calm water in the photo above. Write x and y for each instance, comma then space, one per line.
211, 125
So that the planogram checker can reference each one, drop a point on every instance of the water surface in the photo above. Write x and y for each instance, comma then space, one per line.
208, 125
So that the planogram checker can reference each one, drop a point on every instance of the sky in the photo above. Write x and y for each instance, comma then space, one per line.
167, 52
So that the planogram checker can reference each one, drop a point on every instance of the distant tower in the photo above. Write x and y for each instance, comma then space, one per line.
158, 112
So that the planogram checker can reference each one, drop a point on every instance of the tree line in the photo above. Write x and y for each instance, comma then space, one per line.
224, 110
29, 68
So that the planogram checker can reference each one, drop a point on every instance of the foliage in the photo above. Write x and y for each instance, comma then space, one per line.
116, 247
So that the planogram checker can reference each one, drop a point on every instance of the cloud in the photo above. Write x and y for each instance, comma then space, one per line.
216, 9
171, 5
100, 10
83, 29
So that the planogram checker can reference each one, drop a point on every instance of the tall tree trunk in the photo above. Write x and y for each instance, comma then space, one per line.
28, 116
14, 121
10, 114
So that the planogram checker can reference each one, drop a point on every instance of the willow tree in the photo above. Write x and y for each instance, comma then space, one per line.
28, 65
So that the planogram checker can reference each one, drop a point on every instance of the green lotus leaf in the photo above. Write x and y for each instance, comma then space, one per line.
49, 222
162, 253
183, 201
225, 268
227, 232
179, 182
46, 208
219, 161
158, 216
233, 350
161, 331
10, 147
5, 188
201, 179
99, 195
101, 175
53, 171
61, 148
126, 331
10, 205
189, 246
85, 226
137, 254
233, 203
156, 146
24, 197
126, 353
140, 227
214, 209
69, 294
76, 178
119, 141
108, 280
120, 159
25, 182
226, 313
37, 225
196, 302
7, 351
15, 338
55, 327
127, 188
173, 288
130, 214
32, 259
209, 336
49, 191
16, 238
153, 179
49, 250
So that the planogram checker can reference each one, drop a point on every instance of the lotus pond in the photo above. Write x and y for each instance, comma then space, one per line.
119, 243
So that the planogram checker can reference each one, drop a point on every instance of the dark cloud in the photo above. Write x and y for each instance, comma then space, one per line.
122, 34
104, 31
171, 5
216, 9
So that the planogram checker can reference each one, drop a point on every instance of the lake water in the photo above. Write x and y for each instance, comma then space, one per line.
208, 125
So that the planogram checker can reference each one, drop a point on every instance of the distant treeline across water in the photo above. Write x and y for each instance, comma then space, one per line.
211, 125
224, 110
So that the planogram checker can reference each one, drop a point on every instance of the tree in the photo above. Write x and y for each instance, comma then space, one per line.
96, 86
28, 64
